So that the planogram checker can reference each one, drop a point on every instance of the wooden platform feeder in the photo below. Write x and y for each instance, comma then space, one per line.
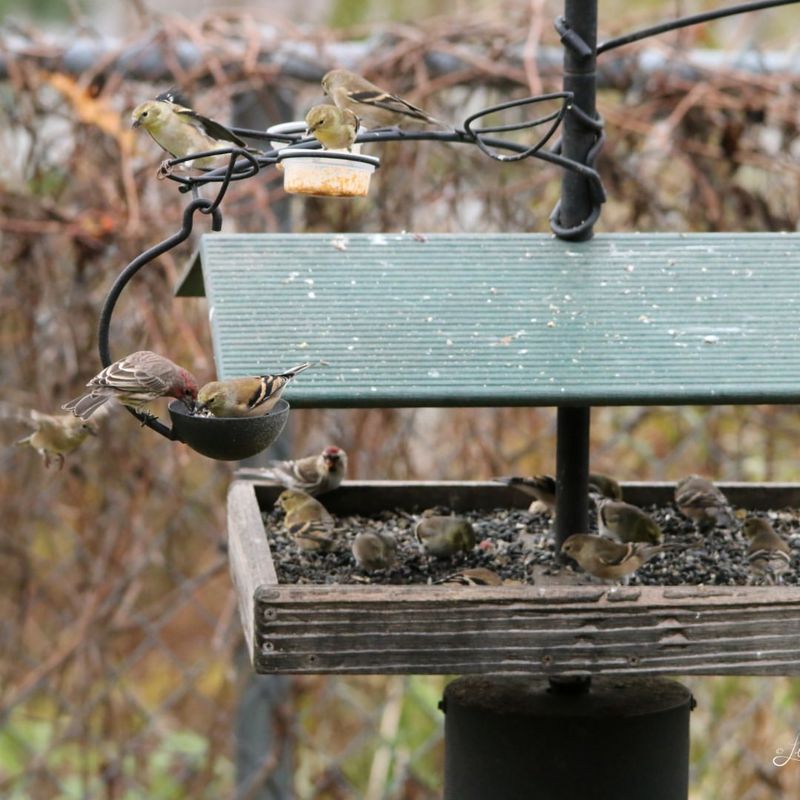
528, 630
513, 319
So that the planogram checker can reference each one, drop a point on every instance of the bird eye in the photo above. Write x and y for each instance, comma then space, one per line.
145, 113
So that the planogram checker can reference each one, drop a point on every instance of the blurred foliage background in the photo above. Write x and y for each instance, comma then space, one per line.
120, 649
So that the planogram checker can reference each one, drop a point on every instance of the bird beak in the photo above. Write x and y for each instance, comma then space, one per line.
136, 123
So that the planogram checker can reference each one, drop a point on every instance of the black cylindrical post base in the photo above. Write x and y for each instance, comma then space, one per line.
510, 738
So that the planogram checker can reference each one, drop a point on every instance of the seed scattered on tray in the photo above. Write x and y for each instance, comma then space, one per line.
519, 547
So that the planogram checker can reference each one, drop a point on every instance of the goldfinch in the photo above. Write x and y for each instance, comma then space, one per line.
605, 485
606, 559
246, 397
334, 128
768, 555
313, 474
374, 550
443, 537
543, 489
476, 576
181, 131
540, 487
135, 381
306, 520
701, 501
626, 523
54, 435
373, 106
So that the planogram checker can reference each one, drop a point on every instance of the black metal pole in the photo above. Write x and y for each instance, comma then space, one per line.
578, 28
572, 472
265, 716
508, 738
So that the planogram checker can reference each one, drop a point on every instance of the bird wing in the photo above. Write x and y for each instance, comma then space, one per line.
301, 474
270, 385
28, 417
267, 386
769, 554
175, 96
208, 126
390, 102
612, 554
696, 492
129, 376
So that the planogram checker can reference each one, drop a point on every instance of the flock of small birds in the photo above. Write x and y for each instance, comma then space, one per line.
142, 377
357, 103
486, 549
699, 540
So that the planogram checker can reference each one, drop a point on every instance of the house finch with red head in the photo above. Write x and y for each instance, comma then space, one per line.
135, 381
314, 474
246, 397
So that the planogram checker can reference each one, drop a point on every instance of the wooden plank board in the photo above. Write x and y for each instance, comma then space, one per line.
530, 630
250, 558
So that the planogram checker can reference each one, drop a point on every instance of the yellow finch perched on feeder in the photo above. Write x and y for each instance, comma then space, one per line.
442, 536
768, 554
626, 523
374, 550
246, 397
607, 559
306, 520
334, 128
701, 501
135, 381
373, 106
54, 435
181, 131
313, 474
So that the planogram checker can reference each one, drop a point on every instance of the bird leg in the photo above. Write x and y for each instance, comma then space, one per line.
164, 170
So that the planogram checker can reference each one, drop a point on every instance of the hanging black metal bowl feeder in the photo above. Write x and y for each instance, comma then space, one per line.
228, 438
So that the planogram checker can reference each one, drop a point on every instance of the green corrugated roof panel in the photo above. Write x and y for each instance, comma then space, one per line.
510, 319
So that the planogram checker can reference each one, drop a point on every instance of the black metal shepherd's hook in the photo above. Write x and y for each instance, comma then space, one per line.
104, 324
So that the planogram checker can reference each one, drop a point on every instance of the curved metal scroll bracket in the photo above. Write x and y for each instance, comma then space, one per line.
199, 204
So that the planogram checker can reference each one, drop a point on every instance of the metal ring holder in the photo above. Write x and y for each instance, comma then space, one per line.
224, 438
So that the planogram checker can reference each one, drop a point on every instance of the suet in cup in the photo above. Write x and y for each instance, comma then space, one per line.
327, 173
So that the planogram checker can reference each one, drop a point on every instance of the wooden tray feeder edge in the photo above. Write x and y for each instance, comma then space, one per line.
515, 630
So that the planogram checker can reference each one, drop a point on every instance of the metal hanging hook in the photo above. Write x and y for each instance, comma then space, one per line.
104, 324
